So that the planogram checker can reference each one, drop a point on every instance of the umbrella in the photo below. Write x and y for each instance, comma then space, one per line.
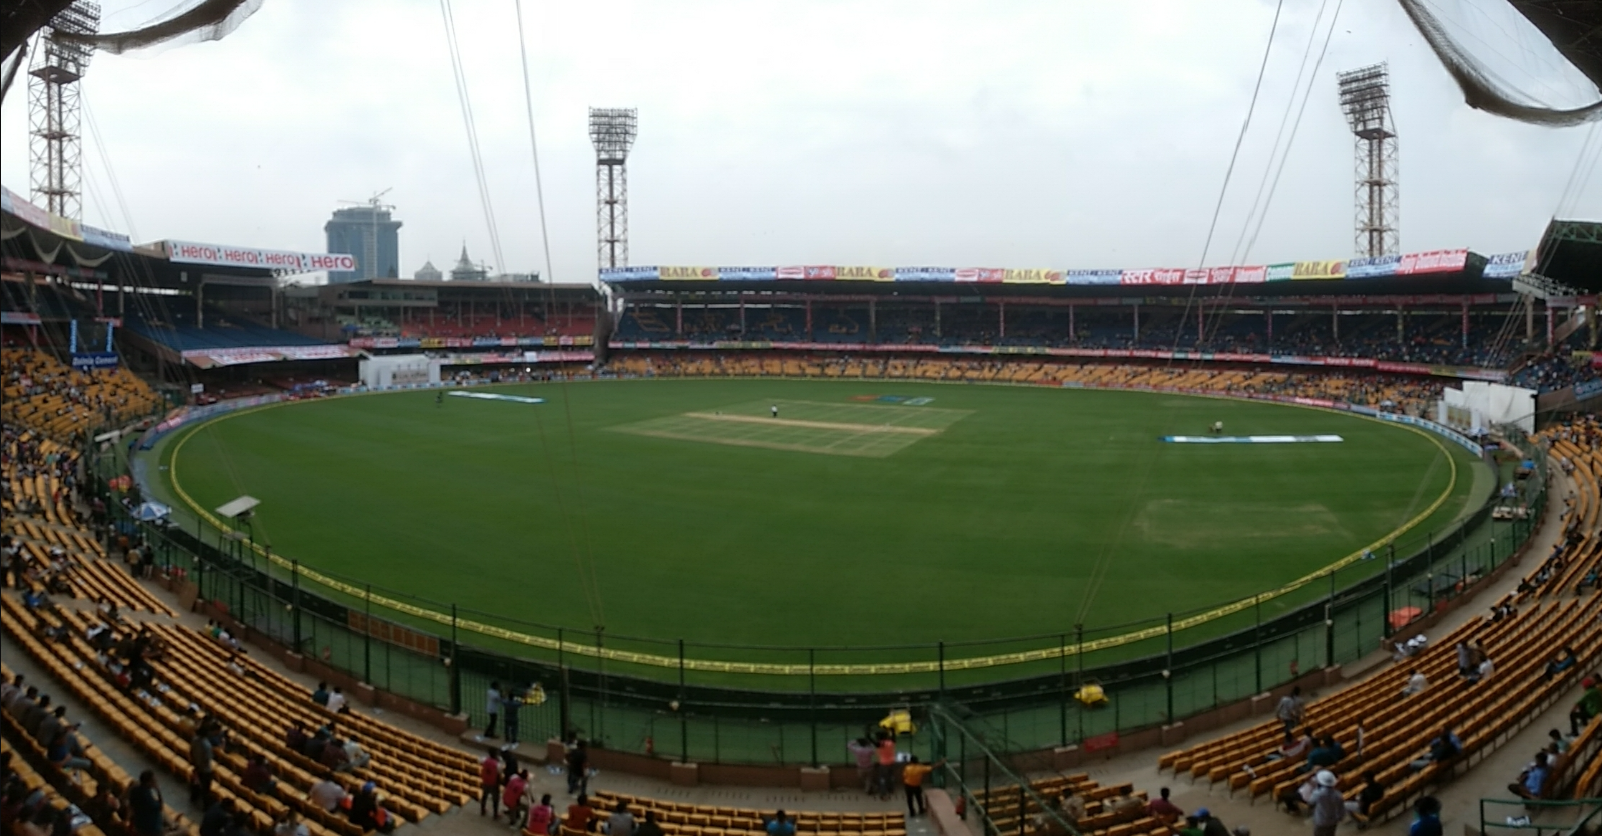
150, 511
1401, 617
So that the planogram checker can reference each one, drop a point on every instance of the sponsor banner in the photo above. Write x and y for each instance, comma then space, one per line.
691, 274
18, 318
558, 356
926, 274
1505, 265
1093, 277
1434, 261
188, 252
1280, 272
1256, 274
208, 358
979, 274
746, 274
1372, 268
92, 361
1160, 275
1328, 269
66, 227
864, 274
1031, 275
628, 274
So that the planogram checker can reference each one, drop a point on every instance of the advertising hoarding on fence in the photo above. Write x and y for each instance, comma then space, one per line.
189, 252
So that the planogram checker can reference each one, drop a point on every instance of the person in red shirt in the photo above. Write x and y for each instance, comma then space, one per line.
489, 781
580, 815
886, 767
1162, 809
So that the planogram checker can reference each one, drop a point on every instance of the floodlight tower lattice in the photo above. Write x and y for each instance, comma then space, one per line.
55, 126
612, 132
1366, 101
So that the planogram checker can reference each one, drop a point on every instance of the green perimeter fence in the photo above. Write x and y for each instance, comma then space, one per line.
807, 715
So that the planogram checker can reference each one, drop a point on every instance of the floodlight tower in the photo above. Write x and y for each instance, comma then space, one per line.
1366, 100
612, 132
55, 143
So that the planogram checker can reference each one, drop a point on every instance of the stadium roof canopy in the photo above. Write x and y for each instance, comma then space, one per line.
1571, 253
1573, 26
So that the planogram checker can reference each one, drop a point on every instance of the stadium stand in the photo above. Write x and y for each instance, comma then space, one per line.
1554, 612
181, 330
1406, 394
42, 393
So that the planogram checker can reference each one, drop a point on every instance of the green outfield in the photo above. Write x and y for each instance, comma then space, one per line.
862, 513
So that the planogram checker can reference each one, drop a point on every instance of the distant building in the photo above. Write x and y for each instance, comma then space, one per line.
428, 273
369, 234
466, 271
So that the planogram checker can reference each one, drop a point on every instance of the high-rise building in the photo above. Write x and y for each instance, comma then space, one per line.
369, 234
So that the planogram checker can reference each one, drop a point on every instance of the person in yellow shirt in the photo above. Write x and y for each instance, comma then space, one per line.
912, 777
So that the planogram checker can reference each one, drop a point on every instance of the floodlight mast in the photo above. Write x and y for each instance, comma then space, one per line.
612, 132
55, 133
1366, 101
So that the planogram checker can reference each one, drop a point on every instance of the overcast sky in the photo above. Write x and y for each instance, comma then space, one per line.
1014, 134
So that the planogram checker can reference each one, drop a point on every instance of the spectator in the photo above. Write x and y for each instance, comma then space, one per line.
578, 764
1329, 806
1370, 795
291, 825
145, 806
512, 795
780, 825
912, 777
1164, 810
1290, 710
327, 794
1443, 747
257, 775
1416, 683
580, 815
542, 816
1532, 780
492, 707
864, 754
886, 767
1588, 706
219, 818
200, 757
1428, 821
489, 783
621, 822
649, 827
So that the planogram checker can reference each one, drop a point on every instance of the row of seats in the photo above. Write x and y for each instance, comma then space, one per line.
1012, 811
684, 819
